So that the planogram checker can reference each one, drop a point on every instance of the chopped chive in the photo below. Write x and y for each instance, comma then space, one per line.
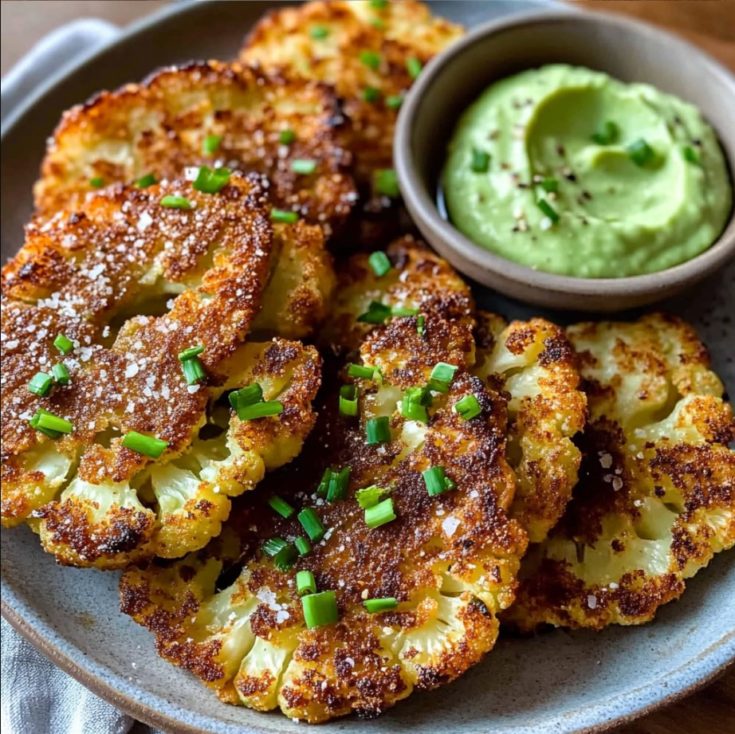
63, 344
211, 144
348, 404
420, 395
640, 152
380, 514
420, 324
190, 352
193, 370
49, 424
377, 430
369, 496
338, 482
386, 183
60, 373
323, 487
468, 407
377, 313
414, 411
362, 371
383, 604
281, 506
319, 32
305, 583
312, 524
286, 137
303, 166
607, 134
211, 180
441, 376
175, 202
480, 161
273, 546
377, 23
285, 558
145, 181
280, 215
379, 4
97, 182
370, 59
380, 263
260, 410
414, 67
371, 94
548, 210
40, 384
245, 396
550, 184
436, 481
394, 101
303, 546
143, 444
690, 154
403, 311
320, 609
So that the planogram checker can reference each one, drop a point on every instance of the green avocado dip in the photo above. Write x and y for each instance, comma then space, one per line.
570, 171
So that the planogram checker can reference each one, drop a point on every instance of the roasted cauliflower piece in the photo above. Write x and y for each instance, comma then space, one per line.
196, 277
371, 55
535, 363
210, 114
415, 515
657, 496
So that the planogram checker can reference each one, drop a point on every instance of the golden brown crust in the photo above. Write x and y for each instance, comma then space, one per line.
657, 495
159, 127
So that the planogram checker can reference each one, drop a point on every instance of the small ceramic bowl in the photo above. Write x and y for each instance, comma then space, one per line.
625, 49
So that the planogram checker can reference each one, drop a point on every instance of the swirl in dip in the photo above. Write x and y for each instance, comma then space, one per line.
570, 171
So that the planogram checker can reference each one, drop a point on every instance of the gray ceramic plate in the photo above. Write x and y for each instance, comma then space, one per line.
558, 682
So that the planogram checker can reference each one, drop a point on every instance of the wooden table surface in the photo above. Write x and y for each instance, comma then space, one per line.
707, 23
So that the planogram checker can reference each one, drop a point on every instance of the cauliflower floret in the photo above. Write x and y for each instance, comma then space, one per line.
534, 362
657, 495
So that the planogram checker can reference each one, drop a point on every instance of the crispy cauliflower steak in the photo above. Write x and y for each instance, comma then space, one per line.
657, 495
369, 54
205, 114
131, 284
535, 363
231, 617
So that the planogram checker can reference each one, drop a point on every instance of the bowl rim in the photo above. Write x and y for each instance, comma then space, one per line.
424, 210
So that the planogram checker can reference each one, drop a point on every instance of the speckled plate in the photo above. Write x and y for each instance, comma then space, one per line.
556, 682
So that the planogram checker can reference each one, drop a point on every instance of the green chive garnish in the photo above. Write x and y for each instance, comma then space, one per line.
303, 166
312, 524
319, 32
441, 376
364, 372
145, 181
377, 430
63, 344
49, 424
468, 407
690, 154
380, 605
211, 144
190, 352
97, 182
193, 370
369, 496
145, 445
40, 384
480, 161
436, 481
279, 215
377, 313
320, 609
607, 134
371, 94
303, 546
60, 373
272, 546
305, 583
413, 66
641, 153
371, 59
211, 180
380, 263
550, 184
403, 311
420, 324
244, 397
386, 183
377, 23
176, 202
281, 506
283, 553
380, 514
379, 4
413, 410
394, 101
286, 137
338, 482
548, 210
420, 395
348, 404
260, 410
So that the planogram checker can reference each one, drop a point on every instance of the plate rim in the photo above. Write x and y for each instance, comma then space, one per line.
683, 681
